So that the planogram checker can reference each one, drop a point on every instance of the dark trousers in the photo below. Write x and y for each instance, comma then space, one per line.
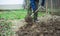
35, 13
30, 13
43, 2
35, 16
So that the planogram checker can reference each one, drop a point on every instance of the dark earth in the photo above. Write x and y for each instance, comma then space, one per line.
48, 25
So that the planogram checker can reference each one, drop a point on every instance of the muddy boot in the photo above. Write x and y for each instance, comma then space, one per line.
35, 17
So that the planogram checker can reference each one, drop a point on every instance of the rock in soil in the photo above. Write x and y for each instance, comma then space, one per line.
48, 26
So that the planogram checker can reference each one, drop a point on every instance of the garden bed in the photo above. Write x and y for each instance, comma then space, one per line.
49, 25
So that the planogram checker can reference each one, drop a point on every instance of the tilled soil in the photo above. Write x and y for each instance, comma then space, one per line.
48, 26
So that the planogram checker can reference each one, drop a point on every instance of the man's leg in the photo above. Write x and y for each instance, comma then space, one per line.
35, 16
42, 5
43, 2
32, 6
36, 13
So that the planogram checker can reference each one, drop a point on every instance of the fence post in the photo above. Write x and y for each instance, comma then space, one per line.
51, 7
46, 6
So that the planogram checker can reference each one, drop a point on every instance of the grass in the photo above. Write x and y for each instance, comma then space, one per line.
13, 14
5, 28
18, 14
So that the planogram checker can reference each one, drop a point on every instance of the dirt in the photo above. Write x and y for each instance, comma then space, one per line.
48, 25
16, 24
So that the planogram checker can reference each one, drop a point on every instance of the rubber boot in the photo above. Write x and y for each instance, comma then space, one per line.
35, 16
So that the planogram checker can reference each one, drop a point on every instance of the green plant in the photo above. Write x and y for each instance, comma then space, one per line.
5, 28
